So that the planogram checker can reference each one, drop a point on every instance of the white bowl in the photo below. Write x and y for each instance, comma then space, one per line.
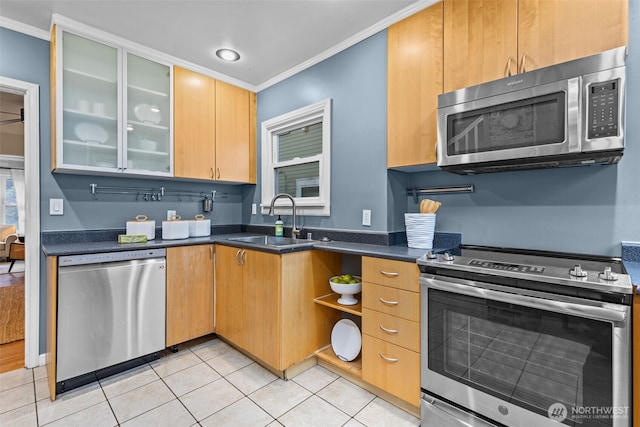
347, 291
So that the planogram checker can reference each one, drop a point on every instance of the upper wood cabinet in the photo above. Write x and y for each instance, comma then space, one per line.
190, 301
486, 40
214, 129
194, 124
414, 73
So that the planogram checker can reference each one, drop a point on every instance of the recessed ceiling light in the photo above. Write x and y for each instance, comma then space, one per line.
227, 54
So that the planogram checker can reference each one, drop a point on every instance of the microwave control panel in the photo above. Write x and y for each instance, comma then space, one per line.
603, 109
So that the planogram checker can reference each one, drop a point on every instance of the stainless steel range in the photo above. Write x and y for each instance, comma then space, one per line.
524, 338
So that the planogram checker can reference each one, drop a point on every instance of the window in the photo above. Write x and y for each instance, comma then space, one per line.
9, 201
296, 159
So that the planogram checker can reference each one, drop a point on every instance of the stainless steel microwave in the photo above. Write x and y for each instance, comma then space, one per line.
563, 115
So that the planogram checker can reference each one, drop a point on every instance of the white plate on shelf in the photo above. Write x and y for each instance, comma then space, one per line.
146, 114
346, 340
91, 132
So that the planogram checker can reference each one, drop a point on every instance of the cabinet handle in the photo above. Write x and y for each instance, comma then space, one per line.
523, 68
244, 257
218, 173
388, 359
389, 331
212, 176
210, 252
238, 253
507, 70
389, 274
384, 301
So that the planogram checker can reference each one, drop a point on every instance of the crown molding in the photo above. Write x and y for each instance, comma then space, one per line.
24, 28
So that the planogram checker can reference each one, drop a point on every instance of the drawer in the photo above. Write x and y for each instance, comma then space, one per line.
391, 368
391, 329
398, 274
395, 302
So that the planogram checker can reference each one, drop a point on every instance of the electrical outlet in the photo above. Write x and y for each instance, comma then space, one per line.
366, 217
254, 209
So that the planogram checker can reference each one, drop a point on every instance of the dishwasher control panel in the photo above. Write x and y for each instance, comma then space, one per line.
98, 258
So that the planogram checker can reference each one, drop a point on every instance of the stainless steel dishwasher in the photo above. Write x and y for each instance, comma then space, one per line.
111, 309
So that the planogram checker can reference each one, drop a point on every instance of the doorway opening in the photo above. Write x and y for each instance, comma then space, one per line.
20, 221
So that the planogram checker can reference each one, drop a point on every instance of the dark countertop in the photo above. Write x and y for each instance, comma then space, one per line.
397, 252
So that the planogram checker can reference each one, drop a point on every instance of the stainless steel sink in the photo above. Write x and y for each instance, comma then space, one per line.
271, 241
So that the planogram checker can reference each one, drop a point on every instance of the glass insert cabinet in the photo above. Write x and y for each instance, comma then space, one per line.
113, 109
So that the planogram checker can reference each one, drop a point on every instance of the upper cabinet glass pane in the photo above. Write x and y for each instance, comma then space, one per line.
89, 103
148, 115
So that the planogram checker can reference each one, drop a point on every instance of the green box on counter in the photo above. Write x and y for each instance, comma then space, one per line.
132, 238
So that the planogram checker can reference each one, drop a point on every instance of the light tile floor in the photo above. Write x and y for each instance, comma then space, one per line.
210, 384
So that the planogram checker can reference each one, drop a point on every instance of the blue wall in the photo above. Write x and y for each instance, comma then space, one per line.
356, 81
583, 210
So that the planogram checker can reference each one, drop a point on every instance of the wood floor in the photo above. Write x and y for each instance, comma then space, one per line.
11, 356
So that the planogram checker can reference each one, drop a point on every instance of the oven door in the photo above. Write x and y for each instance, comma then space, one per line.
532, 122
523, 358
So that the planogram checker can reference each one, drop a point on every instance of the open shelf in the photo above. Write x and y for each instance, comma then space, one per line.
331, 300
353, 367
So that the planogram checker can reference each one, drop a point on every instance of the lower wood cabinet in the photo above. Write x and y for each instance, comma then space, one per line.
391, 327
265, 302
391, 368
190, 275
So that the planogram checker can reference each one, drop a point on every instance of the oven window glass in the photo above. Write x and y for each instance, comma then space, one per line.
529, 357
525, 123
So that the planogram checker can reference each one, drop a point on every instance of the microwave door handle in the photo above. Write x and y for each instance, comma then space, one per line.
610, 314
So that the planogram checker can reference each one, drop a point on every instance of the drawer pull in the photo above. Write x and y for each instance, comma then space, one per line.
388, 359
389, 273
389, 331
384, 301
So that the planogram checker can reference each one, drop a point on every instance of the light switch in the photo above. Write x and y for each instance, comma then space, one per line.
56, 206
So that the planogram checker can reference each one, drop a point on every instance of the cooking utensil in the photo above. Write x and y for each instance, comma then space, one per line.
207, 204
429, 206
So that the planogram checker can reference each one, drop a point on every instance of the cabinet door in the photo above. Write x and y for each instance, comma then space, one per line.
229, 296
233, 136
194, 124
392, 368
552, 31
261, 308
480, 37
148, 100
87, 104
190, 310
414, 73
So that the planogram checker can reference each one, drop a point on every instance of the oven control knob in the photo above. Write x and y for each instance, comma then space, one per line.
577, 271
431, 255
608, 275
447, 256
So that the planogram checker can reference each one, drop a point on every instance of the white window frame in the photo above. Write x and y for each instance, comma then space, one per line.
311, 114
4, 176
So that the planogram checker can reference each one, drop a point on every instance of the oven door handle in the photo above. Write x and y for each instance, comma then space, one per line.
610, 313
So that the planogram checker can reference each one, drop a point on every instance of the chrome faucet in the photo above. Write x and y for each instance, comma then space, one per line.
295, 233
